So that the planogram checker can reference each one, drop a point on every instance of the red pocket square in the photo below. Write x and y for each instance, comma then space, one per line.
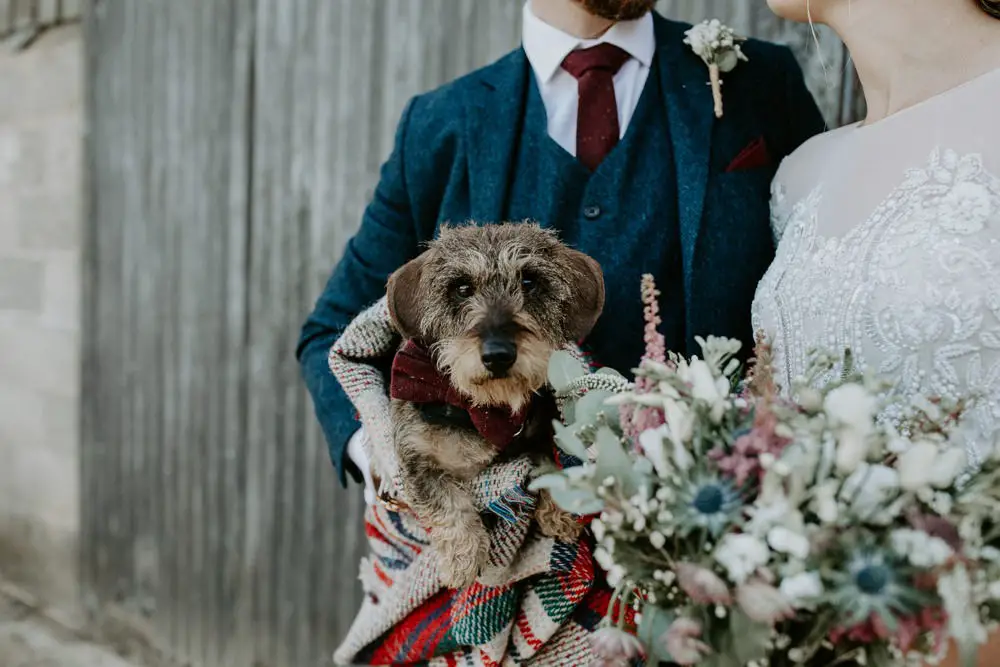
753, 156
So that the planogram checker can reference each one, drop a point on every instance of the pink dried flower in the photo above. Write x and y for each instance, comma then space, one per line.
702, 585
683, 643
637, 419
742, 461
613, 647
656, 346
763, 603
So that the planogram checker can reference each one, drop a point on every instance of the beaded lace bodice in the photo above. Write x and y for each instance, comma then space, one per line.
888, 243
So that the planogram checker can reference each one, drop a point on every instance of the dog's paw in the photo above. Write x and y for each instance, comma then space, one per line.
554, 521
462, 549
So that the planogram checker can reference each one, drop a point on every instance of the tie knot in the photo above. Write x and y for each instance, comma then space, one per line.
604, 57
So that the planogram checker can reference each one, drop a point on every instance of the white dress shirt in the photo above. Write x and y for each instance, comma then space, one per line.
546, 48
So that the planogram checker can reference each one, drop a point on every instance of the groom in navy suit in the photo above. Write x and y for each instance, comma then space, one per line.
601, 126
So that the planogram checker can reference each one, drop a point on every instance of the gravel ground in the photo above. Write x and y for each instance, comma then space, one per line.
27, 640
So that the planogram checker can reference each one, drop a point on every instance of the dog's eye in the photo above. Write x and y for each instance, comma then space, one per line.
464, 290
528, 282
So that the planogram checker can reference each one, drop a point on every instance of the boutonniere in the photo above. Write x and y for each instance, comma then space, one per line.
719, 46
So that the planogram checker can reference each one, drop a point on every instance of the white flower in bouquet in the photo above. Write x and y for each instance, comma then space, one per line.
779, 512
787, 541
924, 465
705, 386
919, 548
851, 409
652, 442
680, 421
741, 555
802, 590
964, 624
825, 503
869, 490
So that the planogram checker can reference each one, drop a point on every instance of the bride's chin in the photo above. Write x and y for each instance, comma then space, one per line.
794, 10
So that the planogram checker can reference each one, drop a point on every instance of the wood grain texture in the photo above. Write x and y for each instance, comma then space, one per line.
231, 148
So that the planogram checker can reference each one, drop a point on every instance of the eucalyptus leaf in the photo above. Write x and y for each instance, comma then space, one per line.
720, 659
593, 404
563, 369
569, 442
577, 501
555, 480
655, 622
643, 467
609, 371
749, 638
613, 461
569, 411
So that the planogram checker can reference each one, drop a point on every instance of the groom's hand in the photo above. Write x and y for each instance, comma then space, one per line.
356, 449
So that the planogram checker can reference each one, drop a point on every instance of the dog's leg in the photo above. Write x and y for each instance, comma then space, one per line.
554, 521
445, 506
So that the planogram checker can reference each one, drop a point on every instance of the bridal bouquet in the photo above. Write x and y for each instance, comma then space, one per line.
747, 529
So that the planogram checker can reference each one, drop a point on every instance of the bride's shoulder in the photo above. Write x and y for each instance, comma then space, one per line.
807, 164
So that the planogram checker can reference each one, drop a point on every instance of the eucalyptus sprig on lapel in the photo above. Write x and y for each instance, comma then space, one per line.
719, 46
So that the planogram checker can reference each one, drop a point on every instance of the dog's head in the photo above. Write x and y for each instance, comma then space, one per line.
493, 302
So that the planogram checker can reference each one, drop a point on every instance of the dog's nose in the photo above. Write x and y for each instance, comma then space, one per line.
498, 354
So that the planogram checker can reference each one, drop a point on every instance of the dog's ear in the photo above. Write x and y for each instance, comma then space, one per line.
403, 297
588, 280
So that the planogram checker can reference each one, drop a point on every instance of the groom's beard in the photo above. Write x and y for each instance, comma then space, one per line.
618, 10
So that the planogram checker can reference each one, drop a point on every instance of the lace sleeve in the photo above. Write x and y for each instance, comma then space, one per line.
779, 216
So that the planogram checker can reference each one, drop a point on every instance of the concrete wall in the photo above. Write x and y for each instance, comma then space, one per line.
41, 127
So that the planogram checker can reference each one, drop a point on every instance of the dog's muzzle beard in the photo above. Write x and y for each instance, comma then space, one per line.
497, 363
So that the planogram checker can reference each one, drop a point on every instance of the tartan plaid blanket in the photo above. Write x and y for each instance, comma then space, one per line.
536, 601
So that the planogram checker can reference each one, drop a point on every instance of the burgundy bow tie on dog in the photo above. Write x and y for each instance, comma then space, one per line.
416, 379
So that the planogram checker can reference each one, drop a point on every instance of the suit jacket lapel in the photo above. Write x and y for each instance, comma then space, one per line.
495, 116
688, 98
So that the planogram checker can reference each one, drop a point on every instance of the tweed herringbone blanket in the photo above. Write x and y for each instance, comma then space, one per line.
534, 604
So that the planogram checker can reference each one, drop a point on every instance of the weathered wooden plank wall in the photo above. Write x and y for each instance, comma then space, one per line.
231, 147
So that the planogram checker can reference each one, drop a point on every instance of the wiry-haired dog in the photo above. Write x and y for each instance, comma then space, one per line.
481, 310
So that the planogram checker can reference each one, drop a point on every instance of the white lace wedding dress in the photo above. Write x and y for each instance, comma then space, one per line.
888, 243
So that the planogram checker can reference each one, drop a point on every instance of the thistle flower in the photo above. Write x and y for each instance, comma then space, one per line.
874, 584
682, 642
707, 503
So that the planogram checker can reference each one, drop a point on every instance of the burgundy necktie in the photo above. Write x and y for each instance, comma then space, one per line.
597, 127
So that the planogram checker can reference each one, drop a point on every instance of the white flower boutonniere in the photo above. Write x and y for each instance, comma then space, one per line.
719, 46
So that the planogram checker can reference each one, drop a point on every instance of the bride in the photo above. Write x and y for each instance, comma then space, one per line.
888, 231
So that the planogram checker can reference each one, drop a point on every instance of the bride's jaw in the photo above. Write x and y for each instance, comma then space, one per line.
906, 51
801, 11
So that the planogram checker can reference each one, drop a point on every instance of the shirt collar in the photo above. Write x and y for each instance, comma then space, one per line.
547, 46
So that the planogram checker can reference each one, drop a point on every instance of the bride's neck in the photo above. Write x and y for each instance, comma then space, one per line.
907, 51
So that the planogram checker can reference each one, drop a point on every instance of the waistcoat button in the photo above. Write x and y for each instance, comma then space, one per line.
591, 212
